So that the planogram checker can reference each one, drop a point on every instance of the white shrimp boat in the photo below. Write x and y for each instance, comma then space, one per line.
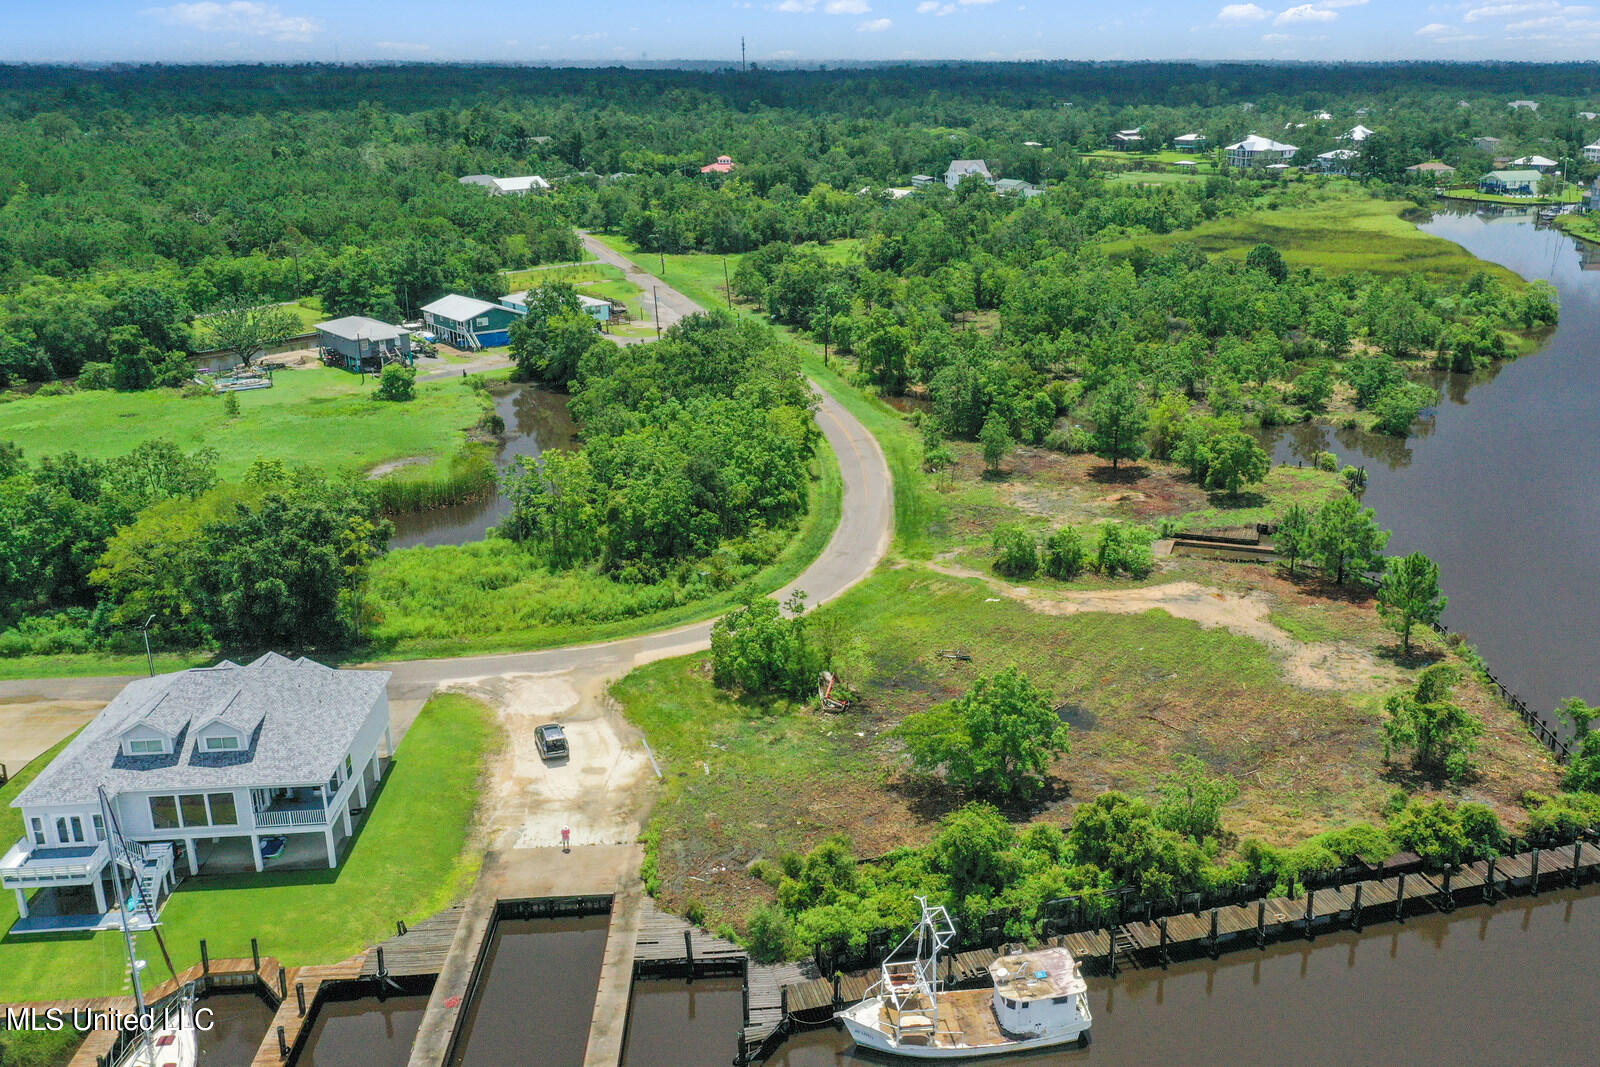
1038, 1000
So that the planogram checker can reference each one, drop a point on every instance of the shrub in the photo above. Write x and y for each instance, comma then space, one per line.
1074, 441
756, 649
94, 376
397, 384
1124, 548
56, 389
771, 938
1325, 461
1016, 552
1064, 554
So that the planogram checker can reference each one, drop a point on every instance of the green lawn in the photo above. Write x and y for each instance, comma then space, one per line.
1572, 194
1338, 235
317, 415
415, 856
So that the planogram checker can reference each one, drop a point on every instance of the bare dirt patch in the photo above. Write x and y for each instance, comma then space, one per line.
397, 464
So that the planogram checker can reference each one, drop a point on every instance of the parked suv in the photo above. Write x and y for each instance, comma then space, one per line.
552, 741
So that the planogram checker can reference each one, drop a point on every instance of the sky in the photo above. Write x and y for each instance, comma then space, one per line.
542, 31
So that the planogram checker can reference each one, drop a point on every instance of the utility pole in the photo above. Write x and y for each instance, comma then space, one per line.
727, 288
148, 658
741, 54
655, 291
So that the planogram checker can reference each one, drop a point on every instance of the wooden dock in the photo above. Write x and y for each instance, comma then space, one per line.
288, 1028
418, 950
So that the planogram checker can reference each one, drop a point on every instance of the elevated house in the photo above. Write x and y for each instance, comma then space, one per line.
1356, 134
469, 323
1486, 144
1591, 201
1128, 140
1520, 105
359, 343
960, 168
1257, 151
594, 307
923, 181
1510, 183
1189, 142
219, 769
1591, 152
1439, 172
1017, 187
1338, 161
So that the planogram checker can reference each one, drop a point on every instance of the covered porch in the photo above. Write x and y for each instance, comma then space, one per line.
69, 889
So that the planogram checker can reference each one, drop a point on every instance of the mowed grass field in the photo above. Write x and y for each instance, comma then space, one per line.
1337, 235
415, 855
319, 416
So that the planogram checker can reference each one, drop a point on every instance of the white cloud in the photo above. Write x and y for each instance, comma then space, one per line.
409, 46
874, 26
1500, 11
927, 7
847, 7
1436, 29
1277, 36
238, 16
1340, 3
1242, 13
1304, 13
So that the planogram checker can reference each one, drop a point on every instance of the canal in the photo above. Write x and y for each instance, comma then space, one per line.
239, 1021
1501, 485
368, 1032
1511, 983
535, 420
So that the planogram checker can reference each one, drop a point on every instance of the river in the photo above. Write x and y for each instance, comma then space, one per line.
1501, 483
1484, 985
536, 419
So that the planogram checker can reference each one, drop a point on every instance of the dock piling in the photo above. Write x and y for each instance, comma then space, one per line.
205, 958
1261, 924
1577, 858
255, 953
1400, 900
300, 998
1488, 883
1162, 925
1311, 913
688, 949
1535, 872
1213, 945
1447, 900
1355, 909
283, 1045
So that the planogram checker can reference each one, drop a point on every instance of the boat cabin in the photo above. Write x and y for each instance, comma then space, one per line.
1039, 992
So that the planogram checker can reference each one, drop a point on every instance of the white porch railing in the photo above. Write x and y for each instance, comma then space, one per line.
292, 817
19, 868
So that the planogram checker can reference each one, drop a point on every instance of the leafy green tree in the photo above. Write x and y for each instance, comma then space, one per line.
1237, 460
1192, 799
1312, 388
1355, 480
1398, 406
1293, 537
131, 366
1120, 836
973, 849
757, 649
1446, 835
1016, 552
998, 740
1346, 539
1269, 261
1371, 375
1579, 714
996, 441
1583, 770
1409, 594
246, 327
1120, 418
1125, 549
549, 342
558, 508
935, 456
1442, 736
397, 384
1064, 554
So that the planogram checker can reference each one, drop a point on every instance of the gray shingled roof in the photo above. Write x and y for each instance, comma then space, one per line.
302, 718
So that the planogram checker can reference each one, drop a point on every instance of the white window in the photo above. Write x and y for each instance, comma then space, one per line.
38, 831
99, 828
152, 747
222, 744
483, 320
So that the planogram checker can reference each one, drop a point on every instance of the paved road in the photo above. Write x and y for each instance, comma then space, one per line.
33, 716
674, 305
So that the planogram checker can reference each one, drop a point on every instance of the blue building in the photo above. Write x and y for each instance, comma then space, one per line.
469, 323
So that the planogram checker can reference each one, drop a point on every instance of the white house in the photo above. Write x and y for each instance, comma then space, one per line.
1517, 105
1127, 140
527, 183
960, 168
1591, 152
230, 767
1189, 142
1256, 151
1542, 164
1338, 161
1357, 133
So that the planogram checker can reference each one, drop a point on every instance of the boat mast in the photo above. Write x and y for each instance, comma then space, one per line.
117, 857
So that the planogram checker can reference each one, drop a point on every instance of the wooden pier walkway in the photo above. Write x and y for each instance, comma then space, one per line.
1226, 928
287, 1029
418, 950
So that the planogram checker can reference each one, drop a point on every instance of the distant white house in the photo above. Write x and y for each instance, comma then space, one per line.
1256, 151
922, 181
1588, 116
1017, 187
1591, 152
1338, 161
1439, 172
1486, 144
1128, 139
960, 168
1322, 116
1517, 105
527, 183
227, 765
1357, 133
1189, 142
1542, 164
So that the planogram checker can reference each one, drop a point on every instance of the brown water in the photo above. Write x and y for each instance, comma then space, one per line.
238, 1023
536, 419
1513, 984
368, 1033
1501, 483
535, 1000
684, 1022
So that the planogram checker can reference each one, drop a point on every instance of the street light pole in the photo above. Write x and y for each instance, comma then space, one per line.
149, 659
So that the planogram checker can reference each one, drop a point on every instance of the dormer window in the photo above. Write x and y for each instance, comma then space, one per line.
225, 743
153, 746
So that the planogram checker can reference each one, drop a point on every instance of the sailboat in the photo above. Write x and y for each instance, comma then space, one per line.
173, 1040
1038, 1000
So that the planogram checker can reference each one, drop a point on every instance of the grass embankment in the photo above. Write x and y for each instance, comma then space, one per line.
1572, 194
1336, 235
491, 596
415, 855
319, 416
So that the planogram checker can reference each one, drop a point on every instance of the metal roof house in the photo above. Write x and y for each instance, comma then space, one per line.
358, 341
223, 765
1257, 151
960, 168
469, 323
594, 307
1542, 164
1338, 161
1357, 133
1433, 169
1510, 183
1591, 152
519, 186
1189, 142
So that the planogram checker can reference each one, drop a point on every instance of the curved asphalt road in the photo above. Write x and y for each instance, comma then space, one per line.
858, 543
